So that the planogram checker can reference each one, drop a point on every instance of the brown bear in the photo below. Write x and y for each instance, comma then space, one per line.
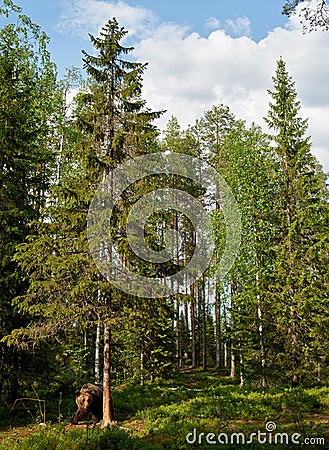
90, 399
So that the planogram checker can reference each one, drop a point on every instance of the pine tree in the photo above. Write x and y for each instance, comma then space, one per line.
209, 133
300, 282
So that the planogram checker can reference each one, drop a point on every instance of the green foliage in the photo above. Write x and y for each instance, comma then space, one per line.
300, 281
56, 438
27, 86
271, 310
7, 7
160, 416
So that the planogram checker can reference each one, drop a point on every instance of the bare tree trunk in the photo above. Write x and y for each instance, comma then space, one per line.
97, 352
233, 349
233, 366
261, 341
186, 323
193, 320
108, 415
225, 355
186, 327
241, 368
204, 324
178, 337
217, 327
142, 366
225, 343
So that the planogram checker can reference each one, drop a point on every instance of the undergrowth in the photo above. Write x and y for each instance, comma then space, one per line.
164, 416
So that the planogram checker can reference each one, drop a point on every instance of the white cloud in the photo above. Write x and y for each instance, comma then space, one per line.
188, 73
212, 23
83, 16
238, 27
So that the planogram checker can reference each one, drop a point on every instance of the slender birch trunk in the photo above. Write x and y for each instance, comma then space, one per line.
97, 351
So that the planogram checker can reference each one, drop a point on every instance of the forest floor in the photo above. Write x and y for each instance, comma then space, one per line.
194, 410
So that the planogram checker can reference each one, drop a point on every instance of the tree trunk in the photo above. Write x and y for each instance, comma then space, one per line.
186, 327
193, 325
97, 352
178, 336
142, 366
108, 416
217, 327
233, 366
261, 343
225, 355
204, 324
225, 343
233, 349
261, 337
241, 369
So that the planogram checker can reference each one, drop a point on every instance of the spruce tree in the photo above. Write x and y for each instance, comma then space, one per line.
118, 123
300, 278
109, 123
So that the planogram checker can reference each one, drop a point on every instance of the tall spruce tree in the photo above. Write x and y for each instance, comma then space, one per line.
300, 277
119, 126
109, 123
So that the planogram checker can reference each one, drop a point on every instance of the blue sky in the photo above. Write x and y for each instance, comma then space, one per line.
195, 13
66, 46
202, 53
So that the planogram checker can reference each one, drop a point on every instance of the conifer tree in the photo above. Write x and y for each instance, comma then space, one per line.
109, 123
119, 125
214, 126
300, 279
27, 80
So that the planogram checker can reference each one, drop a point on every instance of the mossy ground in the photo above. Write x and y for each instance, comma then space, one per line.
161, 416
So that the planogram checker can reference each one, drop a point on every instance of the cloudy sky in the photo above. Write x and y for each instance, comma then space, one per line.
202, 53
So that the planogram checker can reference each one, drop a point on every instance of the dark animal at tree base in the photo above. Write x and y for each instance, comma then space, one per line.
90, 400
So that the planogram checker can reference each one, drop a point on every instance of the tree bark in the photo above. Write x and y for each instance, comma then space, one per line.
233, 349
225, 343
142, 366
241, 369
217, 327
193, 325
108, 416
204, 324
97, 352
178, 336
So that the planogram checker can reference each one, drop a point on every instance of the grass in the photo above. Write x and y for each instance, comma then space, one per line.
189, 407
